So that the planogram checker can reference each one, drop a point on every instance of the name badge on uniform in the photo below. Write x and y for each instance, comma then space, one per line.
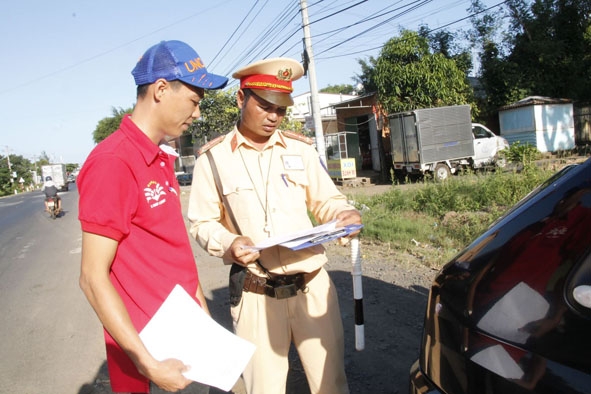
293, 162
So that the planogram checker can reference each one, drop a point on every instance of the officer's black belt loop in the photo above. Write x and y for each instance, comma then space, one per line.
278, 286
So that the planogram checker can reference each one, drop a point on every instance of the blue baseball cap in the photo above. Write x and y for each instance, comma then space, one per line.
175, 60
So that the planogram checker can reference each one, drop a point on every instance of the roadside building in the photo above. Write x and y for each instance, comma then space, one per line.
544, 122
302, 110
363, 116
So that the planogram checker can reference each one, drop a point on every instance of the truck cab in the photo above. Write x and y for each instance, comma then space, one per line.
487, 146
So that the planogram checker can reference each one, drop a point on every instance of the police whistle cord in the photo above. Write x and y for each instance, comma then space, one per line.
357, 294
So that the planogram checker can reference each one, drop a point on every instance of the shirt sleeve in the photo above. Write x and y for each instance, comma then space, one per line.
325, 201
108, 197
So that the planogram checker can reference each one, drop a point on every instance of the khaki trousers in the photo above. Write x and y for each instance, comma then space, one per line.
312, 320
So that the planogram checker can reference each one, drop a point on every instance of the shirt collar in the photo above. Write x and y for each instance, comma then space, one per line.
144, 145
237, 139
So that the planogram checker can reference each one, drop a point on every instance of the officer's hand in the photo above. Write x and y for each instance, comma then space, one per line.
240, 252
168, 375
347, 218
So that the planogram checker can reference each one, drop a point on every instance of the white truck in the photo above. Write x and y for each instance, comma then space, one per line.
57, 172
440, 141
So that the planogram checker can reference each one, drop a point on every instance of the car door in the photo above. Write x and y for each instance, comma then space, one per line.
485, 145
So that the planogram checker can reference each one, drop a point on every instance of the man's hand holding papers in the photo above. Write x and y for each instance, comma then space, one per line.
310, 237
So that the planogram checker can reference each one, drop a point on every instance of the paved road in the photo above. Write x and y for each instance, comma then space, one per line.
51, 339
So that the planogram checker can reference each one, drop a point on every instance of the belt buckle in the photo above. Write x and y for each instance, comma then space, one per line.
286, 291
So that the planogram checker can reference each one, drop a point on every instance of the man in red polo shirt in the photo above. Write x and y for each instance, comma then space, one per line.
135, 247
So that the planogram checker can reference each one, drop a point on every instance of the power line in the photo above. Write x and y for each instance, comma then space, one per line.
276, 33
233, 33
338, 12
429, 31
265, 38
101, 54
375, 15
414, 7
257, 49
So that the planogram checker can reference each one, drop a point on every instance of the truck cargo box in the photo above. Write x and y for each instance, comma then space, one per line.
431, 135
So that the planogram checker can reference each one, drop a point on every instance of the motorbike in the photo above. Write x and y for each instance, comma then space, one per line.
52, 206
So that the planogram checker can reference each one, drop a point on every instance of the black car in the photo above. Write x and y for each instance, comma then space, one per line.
184, 179
512, 312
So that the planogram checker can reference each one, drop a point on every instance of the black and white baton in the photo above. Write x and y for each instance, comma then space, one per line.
357, 294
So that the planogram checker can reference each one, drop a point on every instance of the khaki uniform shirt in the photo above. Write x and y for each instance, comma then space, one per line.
271, 189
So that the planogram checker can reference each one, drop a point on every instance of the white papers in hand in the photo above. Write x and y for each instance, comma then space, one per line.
302, 236
181, 329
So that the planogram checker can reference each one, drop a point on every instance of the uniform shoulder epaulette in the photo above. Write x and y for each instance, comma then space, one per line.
210, 145
298, 136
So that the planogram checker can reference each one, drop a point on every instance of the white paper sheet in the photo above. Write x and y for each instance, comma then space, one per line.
181, 329
304, 235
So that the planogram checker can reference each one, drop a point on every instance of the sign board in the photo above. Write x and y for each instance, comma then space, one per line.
309, 122
342, 168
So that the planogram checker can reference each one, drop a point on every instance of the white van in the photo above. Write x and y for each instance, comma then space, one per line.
487, 146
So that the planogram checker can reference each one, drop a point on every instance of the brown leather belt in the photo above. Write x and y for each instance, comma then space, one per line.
279, 286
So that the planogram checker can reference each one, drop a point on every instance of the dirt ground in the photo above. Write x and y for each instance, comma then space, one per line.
395, 289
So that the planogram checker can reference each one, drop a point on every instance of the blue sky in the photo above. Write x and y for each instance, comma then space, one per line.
66, 64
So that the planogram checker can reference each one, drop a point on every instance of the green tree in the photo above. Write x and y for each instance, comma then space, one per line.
71, 167
545, 50
6, 186
109, 125
19, 165
551, 43
338, 89
288, 123
499, 78
407, 75
366, 77
43, 159
219, 113
446, 43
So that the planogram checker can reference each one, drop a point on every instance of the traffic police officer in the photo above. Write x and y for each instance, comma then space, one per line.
258, 182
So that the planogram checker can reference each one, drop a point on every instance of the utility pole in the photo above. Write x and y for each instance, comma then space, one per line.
316, 116
7, 149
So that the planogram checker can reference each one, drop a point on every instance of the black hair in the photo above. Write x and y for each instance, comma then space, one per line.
143, 89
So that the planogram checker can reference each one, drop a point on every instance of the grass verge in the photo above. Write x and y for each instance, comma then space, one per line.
436, 220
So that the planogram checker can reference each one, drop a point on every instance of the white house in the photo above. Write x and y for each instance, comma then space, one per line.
546, 123
302, 109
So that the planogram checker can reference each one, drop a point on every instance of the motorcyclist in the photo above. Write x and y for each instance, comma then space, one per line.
50, 190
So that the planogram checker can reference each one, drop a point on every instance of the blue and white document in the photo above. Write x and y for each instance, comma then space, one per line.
306, 238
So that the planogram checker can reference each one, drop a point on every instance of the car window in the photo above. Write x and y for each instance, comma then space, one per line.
479, 132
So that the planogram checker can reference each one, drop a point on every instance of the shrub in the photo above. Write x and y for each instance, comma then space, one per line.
518, 153
445, 216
